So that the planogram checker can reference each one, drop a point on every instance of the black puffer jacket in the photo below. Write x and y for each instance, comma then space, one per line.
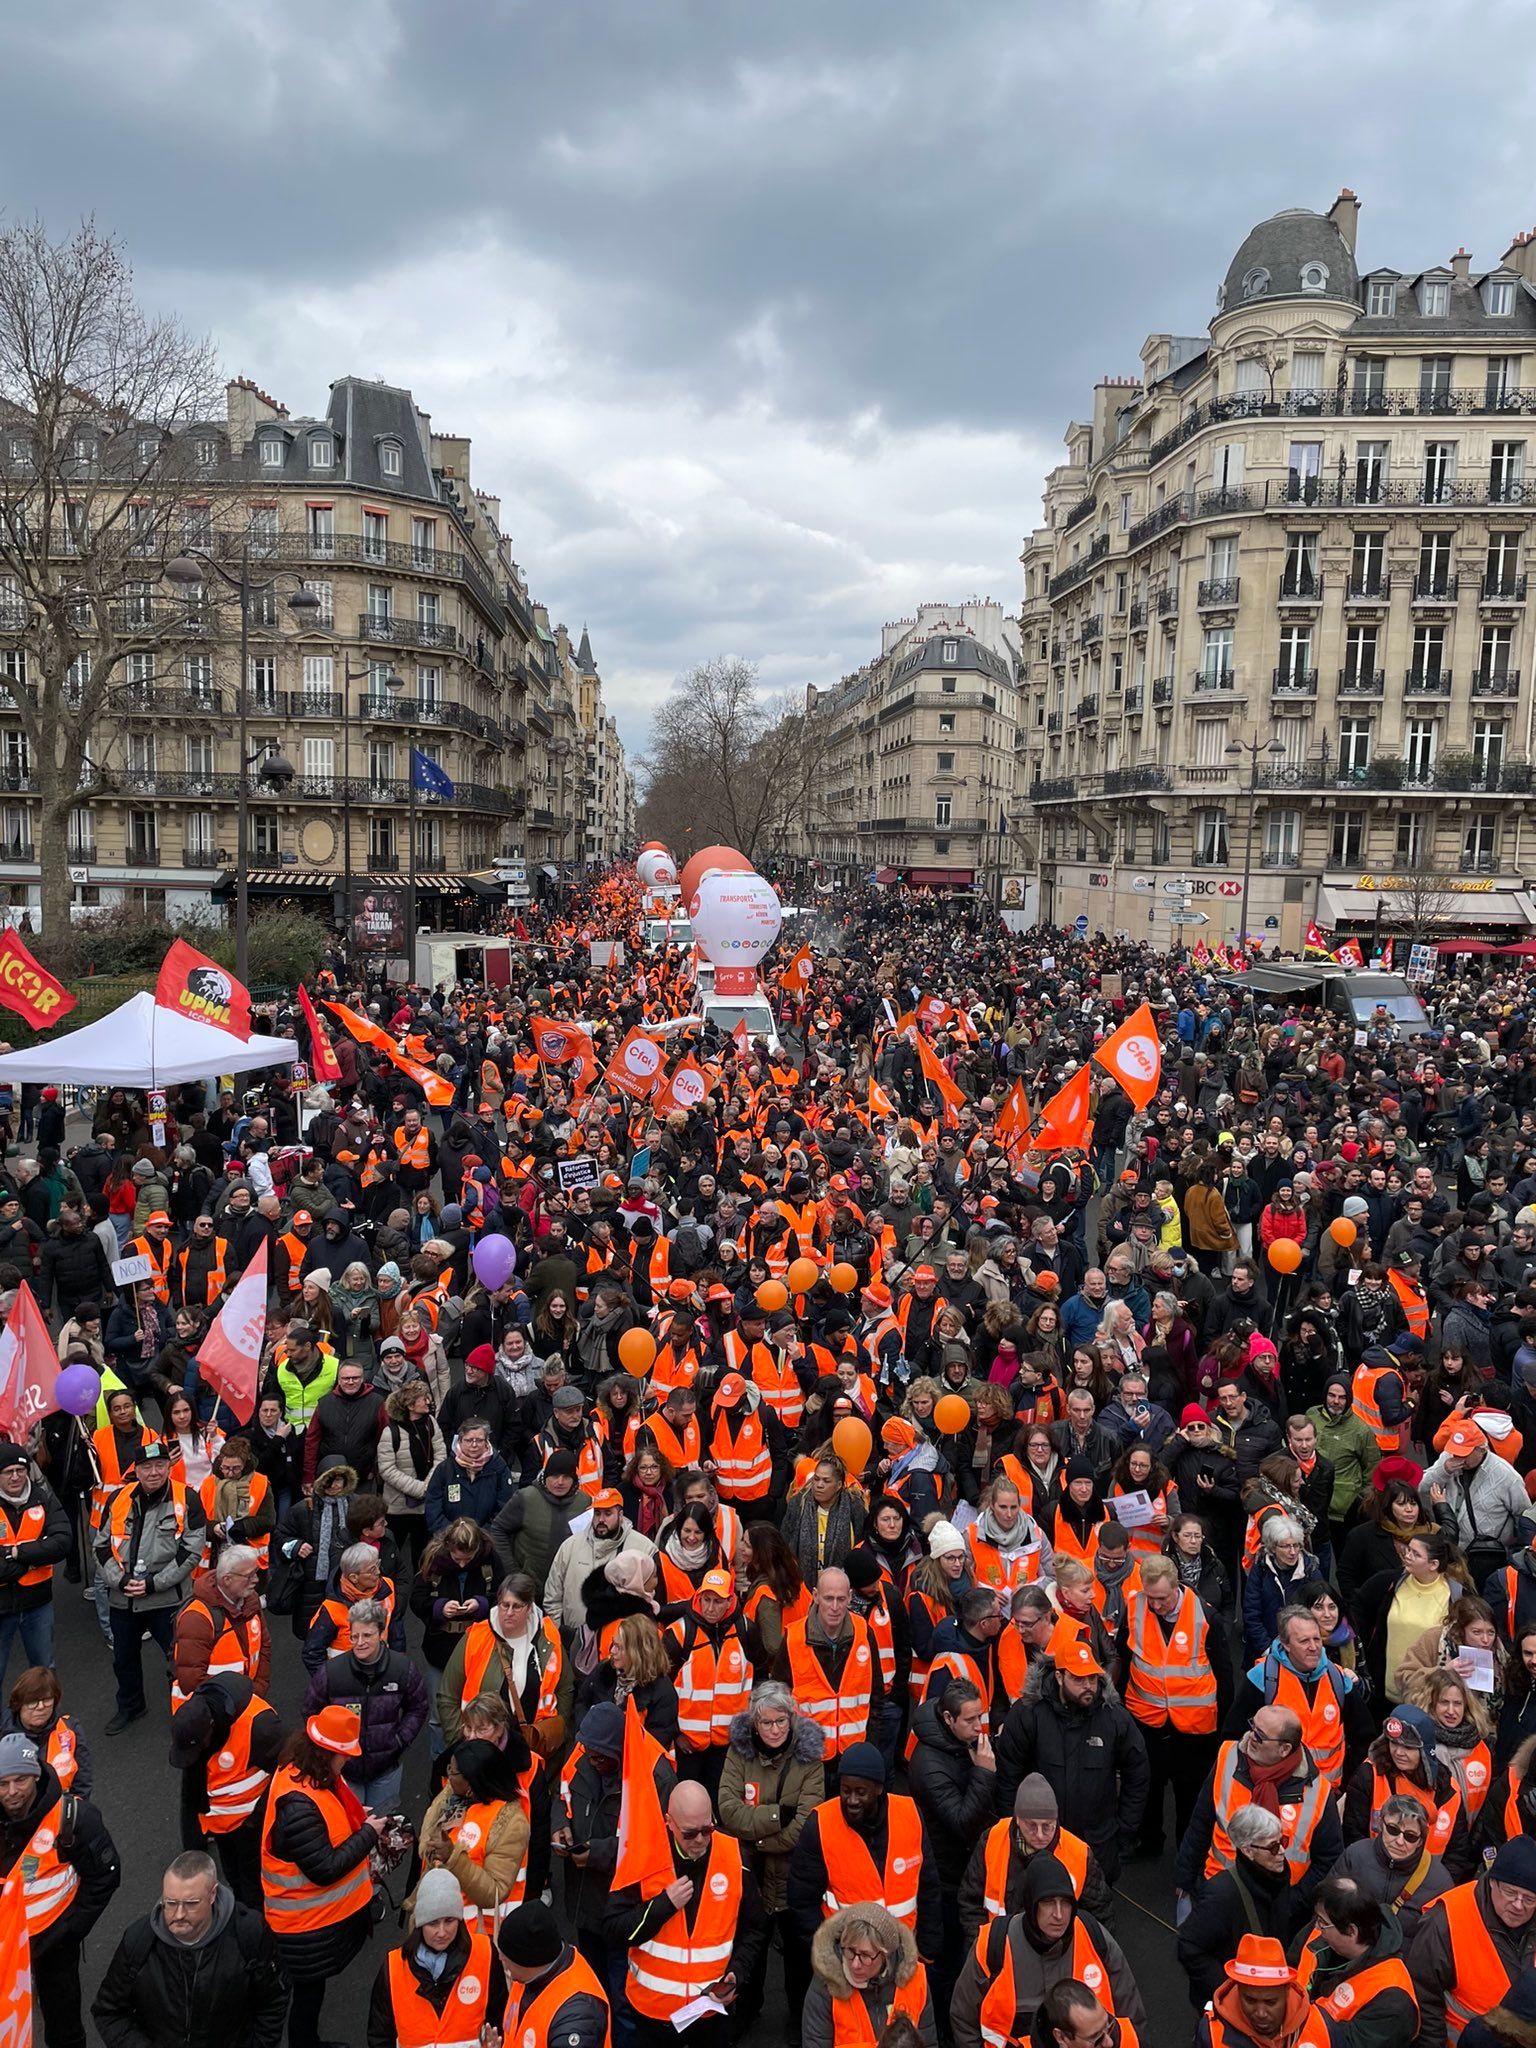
299, 1835
1092, 1757
955, 1796
72, 1267
228, 1988
390, 1695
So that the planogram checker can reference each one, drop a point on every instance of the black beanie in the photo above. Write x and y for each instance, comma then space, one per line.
530, 1937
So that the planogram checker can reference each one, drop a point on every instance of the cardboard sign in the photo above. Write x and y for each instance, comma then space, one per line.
129, 1272
1132, 1510
576, 1173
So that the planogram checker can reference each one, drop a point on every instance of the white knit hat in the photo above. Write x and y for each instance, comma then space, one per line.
944, 1539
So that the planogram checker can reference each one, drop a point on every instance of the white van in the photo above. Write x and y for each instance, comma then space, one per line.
657, 933
726, 1012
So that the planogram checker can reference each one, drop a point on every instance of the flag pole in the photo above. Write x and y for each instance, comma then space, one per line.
410, 897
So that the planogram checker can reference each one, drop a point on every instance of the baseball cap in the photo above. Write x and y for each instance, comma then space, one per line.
152, 1454
301, 1216
1077, 1659
608, 1497
1465, 1438
731, 1389
718, 1581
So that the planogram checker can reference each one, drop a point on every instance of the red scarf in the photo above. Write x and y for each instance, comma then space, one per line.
1268, 1778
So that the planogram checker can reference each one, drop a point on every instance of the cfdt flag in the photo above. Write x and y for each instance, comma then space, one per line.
195, 986
429, 778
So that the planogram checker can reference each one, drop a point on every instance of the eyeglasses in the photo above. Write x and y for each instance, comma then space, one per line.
1405, 1831
174, 1908
693, 1834
862, 1955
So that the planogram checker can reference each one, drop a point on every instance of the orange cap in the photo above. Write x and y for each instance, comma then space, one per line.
338, 1729
1465, 1438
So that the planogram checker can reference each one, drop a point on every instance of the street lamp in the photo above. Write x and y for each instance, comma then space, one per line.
561, 752
276, 770
1253, 749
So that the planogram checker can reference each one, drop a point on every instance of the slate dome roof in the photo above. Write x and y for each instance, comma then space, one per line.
1295, 254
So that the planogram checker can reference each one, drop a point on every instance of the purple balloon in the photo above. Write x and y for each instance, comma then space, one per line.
494, 1260
77, 1389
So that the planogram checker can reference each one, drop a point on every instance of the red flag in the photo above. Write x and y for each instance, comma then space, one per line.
741, 1037
1387, 952
229, 1358
1350, 955
684, 1088
436, 1087
934, 1012
520, 929
1067, 1119
29, 1365
29, 989
635, 1068
1134, 1056
1314, 942
195, 986
322, 1059
645, 1847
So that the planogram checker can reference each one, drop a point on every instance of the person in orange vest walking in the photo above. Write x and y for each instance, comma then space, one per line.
553, 1993
316, 1841
1261, 2005
747, 1449
707, 1648
867, 1973
443, 1983
1351, 1966
68, 1866
1270, 1765
1178, 1685
1379, 1399
1472, 1943
831, 1663
866, 1845
993, 1884
1014, 1963
34, 1538
225, 1741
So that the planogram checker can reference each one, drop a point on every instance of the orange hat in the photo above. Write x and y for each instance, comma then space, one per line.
1079, 1660
732, 1388
897, 1433
719, 1292
718, 1581
608, 1497
1260, 1959
680, 1290
1465, 1438
338, 1729
878, 1293
485, 1109
157, 1216
301, 1216
925, 1272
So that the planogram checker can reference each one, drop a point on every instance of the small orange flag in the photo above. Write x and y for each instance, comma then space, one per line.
635, 1068
437, 1089
797, 972
880, 1104
933, 1069
645, 1848
1067, 1119
1134, 1056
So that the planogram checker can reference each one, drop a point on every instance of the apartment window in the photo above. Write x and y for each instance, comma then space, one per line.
1122, 587
946, 721
1116, 674
141, 754
1367, 564
199, 753
429, 684
17, 756
381, 603
1300, 578
1419, 746
143, 836
197, 530
319, 758
423, 543
429, 842
951, 650
1439, 472
943, 810
1360, 656
1252, 381
1295, 654
261, 529
319, 673
138, 604
1125, 511
205, 453
1216, 655
199, 835
1503, 379
1314, 277
429, 611
1488, 746
1370, 384
1434, 559
1346, 848
1428, 653
1381, 298
263, 681
1221, 562
1503, 563
375, 537
1414, 837
1354, 746
320, 452
322, 530
1480, 844
1371, 460
1282, 838
390, 459
1435, 298
1497, 648
381, 762
1435, 382
1210, 829
1506, 472
141, 529
266, 838
1306, 469
139, 671
271, 448
1210, 743
381, 840
81, 840
1499, 297
1227, 465
946, 764
1307, 373
325, 594
941, 846
948, 685
197, 676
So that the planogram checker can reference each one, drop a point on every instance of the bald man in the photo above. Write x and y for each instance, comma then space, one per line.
831, 1663
703, 1927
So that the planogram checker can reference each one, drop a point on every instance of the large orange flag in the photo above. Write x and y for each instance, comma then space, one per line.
436, 1087
1133, 1055
645, 1848
880, 1104
933, 1070
797, 972
1067, 1119
15, 1965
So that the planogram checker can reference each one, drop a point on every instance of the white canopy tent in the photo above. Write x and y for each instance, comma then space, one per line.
142, 1045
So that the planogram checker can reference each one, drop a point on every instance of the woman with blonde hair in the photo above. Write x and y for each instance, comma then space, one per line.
635, 1667
1463, 1734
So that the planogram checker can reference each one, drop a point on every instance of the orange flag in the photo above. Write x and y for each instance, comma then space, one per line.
880, 1104
436, 1087
645, 1847
933, 1069
798, 971
684, 1088
1067, 1119
1013, 1118
1134, 1056
15, 1965
635, 1068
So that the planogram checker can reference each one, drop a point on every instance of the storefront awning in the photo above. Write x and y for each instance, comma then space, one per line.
941, 878
1466, 900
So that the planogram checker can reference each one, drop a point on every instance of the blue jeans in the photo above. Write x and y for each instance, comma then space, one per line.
380, 1794
36, 1632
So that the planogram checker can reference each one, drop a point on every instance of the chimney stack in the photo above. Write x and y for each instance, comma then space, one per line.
1345, 215
1461, 266
1520, 257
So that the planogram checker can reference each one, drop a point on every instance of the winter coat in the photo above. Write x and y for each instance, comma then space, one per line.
51, 1547
164, 1560
590, 1810
198, 1630
1265, 1592
1490, 1503
1432, 1963
1037, 1969
485, 1884
438, 1992
345, 1427
818, 2027
1354, 1454
532, 1526
454, 1493
1221, 1916
655, 1701
442, 1632
404, 1490
72, 1267
1097, 1897
1365, 1861
297, 1834
1093, 1757
391, 1697
845, 1524
574, 1563
91, 1853
955, 1796
321, 1633
162, 1993
786, 1788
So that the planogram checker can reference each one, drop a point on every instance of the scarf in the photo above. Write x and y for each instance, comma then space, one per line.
1016, 1538
1268, 1778
1190, 1569
416, 1347
232, 1498
416, 1435
353, 1591
687, 1557
331, 1529
650, 1509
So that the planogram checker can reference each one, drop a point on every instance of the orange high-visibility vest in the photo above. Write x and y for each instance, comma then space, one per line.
1349, 2000
1299, 1820
418, 2023
480, 1648
296, 1247
114, 1473
589, 1456
535, 2022
1065, 1541
160, 1256
841, 1715
294, 1905
1367, 1405
713, 1685
743, 1465
852, 2026
415, 1152
1321, 1716
341, 1641
235, 1784
1148, 1540
28, 1530
228, 1653
678, 1962
1005, 1569
1440, 1819
1070, 1852
999, 2016
122, 1508
1481, 1979
659, 1270
1170, 1677
473, 1836
1314, 2032
215, 1274
881, 1627
853, 1879
49, 1883
1473, 1772
1414, 1304
679, 1451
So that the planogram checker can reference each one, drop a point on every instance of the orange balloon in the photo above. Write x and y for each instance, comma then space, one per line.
726, 858
853, 1443
773, 1294
1342, 1231
844, 1278
637, 1352
1285, 1255
951, 1414
802, 1275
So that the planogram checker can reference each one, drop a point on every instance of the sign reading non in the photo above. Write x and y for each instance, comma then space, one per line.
129, 1272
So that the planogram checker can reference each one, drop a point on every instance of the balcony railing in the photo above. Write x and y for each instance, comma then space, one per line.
1389, 774
1478, 864
459, 565
1134, 698
1503, 590
1079, 512
1362, 682
1053, 721
1375, 587
1138, 614
1116, 782
1280, 857
1219, 590
358, 789
1229, 498
1162, 689
167, 700
1495, 682
409, 633
1070, 577
1427, 682
1435, 589
1086, 708
1301, 586
1295, 682
1167, 601
1215, 679
1092, 629
405, 710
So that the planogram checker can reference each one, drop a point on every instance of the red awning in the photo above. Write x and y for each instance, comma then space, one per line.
885, 876
941, 878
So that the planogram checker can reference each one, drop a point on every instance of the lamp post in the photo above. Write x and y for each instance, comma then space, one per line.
561, 752
187, 570
1253, 749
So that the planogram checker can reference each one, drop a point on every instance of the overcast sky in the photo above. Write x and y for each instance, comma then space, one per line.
765, 316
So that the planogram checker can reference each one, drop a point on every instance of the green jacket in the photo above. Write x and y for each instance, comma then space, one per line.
1353, 1450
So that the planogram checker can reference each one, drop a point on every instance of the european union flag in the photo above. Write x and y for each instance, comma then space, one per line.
429, 778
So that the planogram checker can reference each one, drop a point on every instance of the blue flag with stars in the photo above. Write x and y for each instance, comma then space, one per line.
429, 778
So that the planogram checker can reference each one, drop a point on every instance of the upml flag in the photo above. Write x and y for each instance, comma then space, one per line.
429, 778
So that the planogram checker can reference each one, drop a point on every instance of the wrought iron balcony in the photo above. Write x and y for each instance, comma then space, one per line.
1162, 689
1138, 614
1075, 573
13, 618
1301, 586
1427, 682
1053, 721
1079, 512
1435, 589
1374, 587
1086, 708
1174, 513
1167, 601
159, 700
1215, 679
1478, 864
1362, 682
409, 633
1219, 590
1301, 489
1135, 696
1228, 498
1092, 629
1280, 857
1503, 590
1295, 682
1496, 682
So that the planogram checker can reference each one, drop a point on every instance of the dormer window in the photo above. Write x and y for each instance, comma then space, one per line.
1499, 297
271, 452
149, 447
1314, 277
1255, 284
205, 452
1381, 298
391, 460
951, 650
1435, 298
320, 452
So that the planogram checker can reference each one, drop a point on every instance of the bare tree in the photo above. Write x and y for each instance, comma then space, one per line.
98, 479
1423, 899
725, 767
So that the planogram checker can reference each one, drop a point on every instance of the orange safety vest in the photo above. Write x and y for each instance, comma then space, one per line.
1473, 1773
415, 1152
159, 1257
843, 1715
1481, 1979
294, 1905
479, 1648
1347, 2001
1148, 1540
418, 2023
774, 1377
341, 1641
1441, 1819
113, 1473
1065, 1541
473, 1836
713, 1686
535, 2023
852, 2026
679, 1451
1367, 1406
29, 1530
1012, 1663
1170, 1679
296, 1247
589, 1456
678, 1962
235, 1785
227, 1653
999, 2015
122, 1508
1413, 1303
852, 1877
743, 1464
1004, 1569
261, 1486
1321, 1716
49, 1883
878, 1618
1301, 1820
659, 1270
215, 1274
1070, 1852
1314, 2032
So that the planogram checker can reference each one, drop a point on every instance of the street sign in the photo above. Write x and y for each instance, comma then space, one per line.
1180, 888
1142, 884
1177, 916
1271, 924
1080, 925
